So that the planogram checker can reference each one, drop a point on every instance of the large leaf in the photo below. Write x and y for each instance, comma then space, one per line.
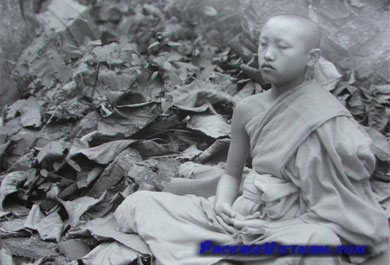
84, 179
210, 11
10, 184
29, 110
376, 101
108, 53
198, 96
190, 153
34, 217
214, 126
4, 147
107, 228
326, 74
380, 145
3, 214
50, 227
6, 257
216, 152
12, 227
128, 119
51, 68
78, 207
112, 253
52, 152
101, 154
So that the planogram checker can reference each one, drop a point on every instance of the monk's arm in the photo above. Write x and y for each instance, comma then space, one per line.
239, 149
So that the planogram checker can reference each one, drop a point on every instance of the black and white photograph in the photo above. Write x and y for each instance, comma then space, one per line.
195, 132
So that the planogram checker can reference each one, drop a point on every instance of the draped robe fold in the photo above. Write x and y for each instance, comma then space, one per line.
310, 181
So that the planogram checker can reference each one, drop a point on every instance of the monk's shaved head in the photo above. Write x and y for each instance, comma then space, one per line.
309, 31
288, 46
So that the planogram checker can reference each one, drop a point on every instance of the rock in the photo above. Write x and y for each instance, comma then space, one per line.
16, 34
79, 29
107, 13
355, 37
58, 13
41, 61
114, 176
256, 12
32, 248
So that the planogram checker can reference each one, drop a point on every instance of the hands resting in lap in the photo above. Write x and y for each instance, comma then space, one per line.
232, 221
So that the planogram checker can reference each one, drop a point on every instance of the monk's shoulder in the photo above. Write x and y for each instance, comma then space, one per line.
254, 101
250, 106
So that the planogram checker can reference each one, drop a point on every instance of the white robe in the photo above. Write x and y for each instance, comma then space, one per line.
311, 169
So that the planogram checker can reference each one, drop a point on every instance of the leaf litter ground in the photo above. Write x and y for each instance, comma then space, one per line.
131, 97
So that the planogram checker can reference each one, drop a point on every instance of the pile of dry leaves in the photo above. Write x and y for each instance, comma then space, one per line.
120, 96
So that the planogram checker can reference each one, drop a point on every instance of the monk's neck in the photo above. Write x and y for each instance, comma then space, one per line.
277, 90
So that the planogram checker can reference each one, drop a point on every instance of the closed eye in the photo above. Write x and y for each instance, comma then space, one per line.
283, 45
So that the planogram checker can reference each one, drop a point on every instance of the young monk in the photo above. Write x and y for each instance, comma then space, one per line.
310, 179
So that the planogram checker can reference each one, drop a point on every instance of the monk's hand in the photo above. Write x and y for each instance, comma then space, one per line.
255, 223
250, 222
225, 216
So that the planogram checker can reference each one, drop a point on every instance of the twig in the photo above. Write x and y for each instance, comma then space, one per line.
96, 79
2, 118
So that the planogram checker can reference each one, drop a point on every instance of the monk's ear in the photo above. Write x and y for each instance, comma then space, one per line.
314, 56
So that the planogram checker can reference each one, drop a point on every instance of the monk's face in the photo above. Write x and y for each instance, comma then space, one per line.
282, 52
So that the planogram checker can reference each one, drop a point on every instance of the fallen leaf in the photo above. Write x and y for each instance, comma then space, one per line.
173, 44
73, 249
216, 152
29, 110
154, 46
128, 120
78, 207
380, 145
34, 217
11, 183
356, 3
247, 90
190, 153
112, 253
107, 228
3, 147
214, 126
326, 74
101, 154
84, 179
109, 53
210, 11
37, 262
50, 227
106, 205
4, 214
51, 68
151, 148
6, 257
200, 93
12, 226
53, 151
198, 179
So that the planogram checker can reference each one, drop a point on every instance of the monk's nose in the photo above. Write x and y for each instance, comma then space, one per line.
269, 55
